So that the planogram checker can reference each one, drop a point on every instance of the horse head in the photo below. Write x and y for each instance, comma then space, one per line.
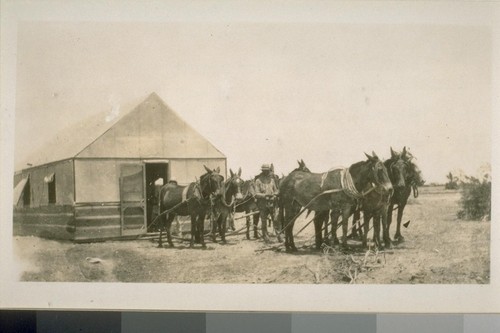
378, 173
398, 168
234, 185
414, 175
212, 183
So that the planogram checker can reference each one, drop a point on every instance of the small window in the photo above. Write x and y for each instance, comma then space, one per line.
51, 182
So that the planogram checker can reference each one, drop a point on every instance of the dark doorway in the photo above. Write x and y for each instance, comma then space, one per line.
156, 176
52, 190
27, 194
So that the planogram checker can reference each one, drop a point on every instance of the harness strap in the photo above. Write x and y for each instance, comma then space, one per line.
184, 193
348, 185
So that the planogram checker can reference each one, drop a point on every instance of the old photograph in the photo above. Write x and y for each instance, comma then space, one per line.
248, 150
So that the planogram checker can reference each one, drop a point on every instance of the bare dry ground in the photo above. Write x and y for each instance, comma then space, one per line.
439, 249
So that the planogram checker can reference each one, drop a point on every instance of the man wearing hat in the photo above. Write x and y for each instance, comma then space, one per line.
266, 191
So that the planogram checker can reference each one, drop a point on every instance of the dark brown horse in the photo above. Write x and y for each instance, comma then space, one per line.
248, 205
335, 190
192, 200
405, 176
224, 207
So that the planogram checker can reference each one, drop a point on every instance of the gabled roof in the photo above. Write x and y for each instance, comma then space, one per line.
150, 130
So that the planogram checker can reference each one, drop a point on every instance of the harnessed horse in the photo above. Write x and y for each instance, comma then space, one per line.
224, 207
192, 200
336, 190
405, 177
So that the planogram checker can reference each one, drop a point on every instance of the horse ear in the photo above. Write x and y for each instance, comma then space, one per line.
272, 167
217, 170
239, 172
403, 155
375, 155
369, 157
207, 169
303, 163
393, 153
231, 173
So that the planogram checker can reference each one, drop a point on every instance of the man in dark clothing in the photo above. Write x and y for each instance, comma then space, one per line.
266, 191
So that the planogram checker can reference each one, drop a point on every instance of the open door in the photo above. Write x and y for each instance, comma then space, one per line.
156, 177
132, 200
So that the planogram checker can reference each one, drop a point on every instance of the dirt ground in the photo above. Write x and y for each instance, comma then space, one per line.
439, 249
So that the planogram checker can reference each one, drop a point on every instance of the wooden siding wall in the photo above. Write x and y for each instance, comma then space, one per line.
54, 221
97, 221
39, 188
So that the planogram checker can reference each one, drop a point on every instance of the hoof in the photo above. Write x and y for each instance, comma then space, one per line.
160, 246
399, 239
203, 246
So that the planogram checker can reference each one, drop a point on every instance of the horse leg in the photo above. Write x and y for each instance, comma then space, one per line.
366, 224
193, 230
355, 231
288, 215
231, 221
326, 237
376, 231
346, 212
248, 224
168, 225
162, 223
389, 215
295, 212
334, 217
214, 226
319, 218
201, 229
160, 244
385, 230
276, 225
256, 225
222, 225
398, 237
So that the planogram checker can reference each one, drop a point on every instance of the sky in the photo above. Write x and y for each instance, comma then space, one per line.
271, 91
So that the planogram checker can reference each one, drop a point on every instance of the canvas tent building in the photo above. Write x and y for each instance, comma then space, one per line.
97, 179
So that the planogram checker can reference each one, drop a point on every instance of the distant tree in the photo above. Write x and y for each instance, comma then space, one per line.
475, 202
452, 183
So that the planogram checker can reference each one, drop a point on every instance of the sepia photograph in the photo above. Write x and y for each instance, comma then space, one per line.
216, 146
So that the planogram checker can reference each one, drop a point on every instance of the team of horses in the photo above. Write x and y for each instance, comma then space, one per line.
371, 187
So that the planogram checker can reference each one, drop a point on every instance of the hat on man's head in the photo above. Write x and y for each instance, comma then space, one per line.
265, 167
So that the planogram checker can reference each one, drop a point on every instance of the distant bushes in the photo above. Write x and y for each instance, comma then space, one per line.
475, 202
452, 183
